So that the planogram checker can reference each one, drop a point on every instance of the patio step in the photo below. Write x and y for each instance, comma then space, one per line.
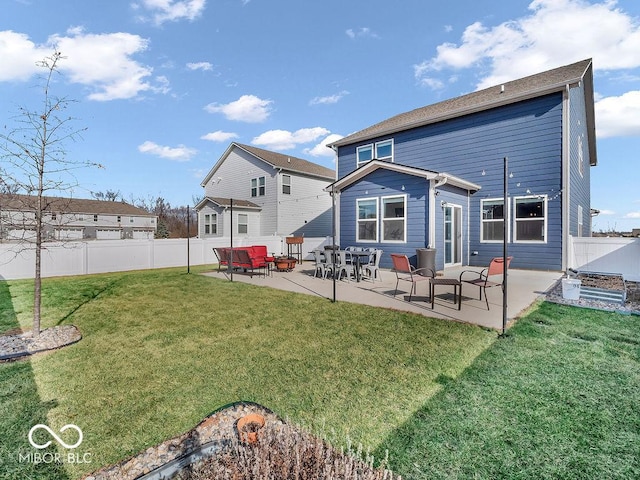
599, 294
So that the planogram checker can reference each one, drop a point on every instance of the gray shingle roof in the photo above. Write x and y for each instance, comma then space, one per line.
288, 162
70, 205
507, 93
226, 202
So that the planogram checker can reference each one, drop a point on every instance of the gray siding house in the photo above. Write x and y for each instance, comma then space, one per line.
74, 219
433, 177
272, 193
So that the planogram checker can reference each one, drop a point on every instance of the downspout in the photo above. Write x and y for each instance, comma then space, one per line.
566, 172
336, 202
278, 190
435, 183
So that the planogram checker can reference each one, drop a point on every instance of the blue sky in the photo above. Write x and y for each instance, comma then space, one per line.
163, 86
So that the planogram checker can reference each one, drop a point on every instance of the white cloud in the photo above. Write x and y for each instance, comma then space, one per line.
321, 149
557, 32
632, 215
285, 140
101, 62
607, 212
19, 56
328, 99
248, 108
618, 116
219, 136
178, 154
205, 66
362, 32
171, 10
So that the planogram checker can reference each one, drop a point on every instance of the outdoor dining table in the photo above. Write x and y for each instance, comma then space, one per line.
357, 257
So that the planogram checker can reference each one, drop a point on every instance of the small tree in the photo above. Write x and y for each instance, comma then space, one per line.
35, 162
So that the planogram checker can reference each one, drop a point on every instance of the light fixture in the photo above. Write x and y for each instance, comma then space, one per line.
402, 187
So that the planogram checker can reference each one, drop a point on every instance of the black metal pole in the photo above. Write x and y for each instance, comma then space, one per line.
333, 239
188, 246
505, 247
230, 262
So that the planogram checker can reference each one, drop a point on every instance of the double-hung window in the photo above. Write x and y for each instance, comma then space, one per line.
492, 220
286, 184
394, 224
379, 151
258, 186
367, 220
243, 223
211, 224
531, 219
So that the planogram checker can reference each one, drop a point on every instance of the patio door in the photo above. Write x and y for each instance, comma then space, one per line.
452, 235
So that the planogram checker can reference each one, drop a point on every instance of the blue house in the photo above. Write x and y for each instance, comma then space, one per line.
434, 176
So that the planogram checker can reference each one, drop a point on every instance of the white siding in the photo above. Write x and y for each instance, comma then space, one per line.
307, 209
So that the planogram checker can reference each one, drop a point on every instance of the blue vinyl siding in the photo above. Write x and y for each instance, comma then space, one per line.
529, 133
579, 185
383, 184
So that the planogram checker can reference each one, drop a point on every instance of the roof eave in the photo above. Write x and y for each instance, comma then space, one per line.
558, 87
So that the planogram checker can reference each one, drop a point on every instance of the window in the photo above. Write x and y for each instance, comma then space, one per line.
130, 219
119, 218
243, 221
286, 184
384, 150
530, 219
580, 221
367, 219
393, 218
580, 156
53, 216
258, 186
211, 224
95, 218
492, 220
379, 151
364, 153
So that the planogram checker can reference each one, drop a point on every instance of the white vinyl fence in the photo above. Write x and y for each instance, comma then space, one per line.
606, 255
102, 256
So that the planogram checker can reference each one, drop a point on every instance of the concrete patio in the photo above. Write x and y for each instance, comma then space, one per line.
524, 287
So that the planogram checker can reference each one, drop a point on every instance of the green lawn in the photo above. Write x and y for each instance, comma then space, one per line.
162, 349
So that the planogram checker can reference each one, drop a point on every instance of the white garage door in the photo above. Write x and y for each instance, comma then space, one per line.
108, 234
142, 234
69, 233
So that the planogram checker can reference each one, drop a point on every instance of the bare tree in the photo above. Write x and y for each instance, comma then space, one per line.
35, 162
108, 196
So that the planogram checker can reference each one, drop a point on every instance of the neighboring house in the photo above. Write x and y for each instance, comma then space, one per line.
272, 193
433, 177
73, 219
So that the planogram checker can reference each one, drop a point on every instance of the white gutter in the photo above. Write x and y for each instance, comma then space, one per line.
566, 172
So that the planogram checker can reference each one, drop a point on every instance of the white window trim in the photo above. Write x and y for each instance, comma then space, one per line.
382, 219
374, 151
257, 187
390, 140
238, 223
580, 221
358, 220
362, 162
545, 199
210, 223
286, 184
482, 220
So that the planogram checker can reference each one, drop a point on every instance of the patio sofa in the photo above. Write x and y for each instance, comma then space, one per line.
247, 258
